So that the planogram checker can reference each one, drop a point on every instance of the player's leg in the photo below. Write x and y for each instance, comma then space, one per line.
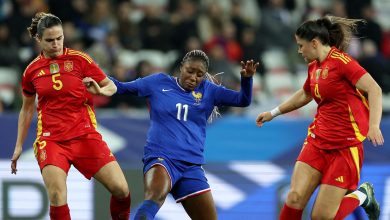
344, 172
194, 192
327, 202
112, 177
93, 158
54, 167
200, 207
304, 181
157, 184
55, 182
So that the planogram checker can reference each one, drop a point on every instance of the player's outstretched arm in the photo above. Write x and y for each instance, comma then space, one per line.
25, 117
299, 99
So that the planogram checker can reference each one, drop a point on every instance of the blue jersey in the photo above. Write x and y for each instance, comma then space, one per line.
179, 117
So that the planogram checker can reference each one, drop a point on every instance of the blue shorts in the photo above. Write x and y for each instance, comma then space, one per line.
187, 179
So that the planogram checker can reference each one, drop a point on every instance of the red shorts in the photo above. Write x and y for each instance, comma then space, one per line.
339, 167
87, 153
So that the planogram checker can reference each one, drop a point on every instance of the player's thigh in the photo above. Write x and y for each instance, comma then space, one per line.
304, 181
327, 202
200, 207
55, 182
157, 183
112, 177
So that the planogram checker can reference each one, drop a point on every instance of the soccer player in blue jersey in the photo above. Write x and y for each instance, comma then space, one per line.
179, 110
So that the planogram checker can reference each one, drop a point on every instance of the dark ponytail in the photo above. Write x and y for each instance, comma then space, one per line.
40, 22
330, 30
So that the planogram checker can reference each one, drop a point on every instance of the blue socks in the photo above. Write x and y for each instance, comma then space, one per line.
147, 210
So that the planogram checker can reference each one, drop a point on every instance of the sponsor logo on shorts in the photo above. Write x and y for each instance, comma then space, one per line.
340, 179
42, 155
160, 159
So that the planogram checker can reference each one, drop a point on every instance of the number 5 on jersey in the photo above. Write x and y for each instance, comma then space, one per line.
179, 107
57, 84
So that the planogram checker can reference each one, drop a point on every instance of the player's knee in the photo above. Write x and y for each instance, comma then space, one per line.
294, 199
120, 190
155, 195
57, 196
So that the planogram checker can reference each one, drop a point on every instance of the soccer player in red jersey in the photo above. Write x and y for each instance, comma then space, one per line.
332, 154
66, 127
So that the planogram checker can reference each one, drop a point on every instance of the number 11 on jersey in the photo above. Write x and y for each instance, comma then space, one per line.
179, 107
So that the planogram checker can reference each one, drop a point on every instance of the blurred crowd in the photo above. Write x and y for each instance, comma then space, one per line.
135, 38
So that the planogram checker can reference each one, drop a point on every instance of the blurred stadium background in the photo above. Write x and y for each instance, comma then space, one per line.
248, 168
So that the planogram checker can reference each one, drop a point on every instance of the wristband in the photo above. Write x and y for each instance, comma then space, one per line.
275, 112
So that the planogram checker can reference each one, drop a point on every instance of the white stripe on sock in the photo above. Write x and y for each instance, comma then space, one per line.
362, 197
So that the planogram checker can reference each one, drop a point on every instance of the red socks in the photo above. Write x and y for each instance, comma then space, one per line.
289, 213
120, 208
347, 206
59, 212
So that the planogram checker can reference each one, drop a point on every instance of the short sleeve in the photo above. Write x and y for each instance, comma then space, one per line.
306, 85
93, 70
352, 71
27, 85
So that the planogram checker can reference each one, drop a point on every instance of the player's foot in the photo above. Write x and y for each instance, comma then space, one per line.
370, 205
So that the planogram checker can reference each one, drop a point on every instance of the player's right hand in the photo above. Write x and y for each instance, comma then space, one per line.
92, 86
15, 157
263, 117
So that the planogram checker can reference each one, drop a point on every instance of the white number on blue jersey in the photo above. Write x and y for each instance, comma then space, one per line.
180, 106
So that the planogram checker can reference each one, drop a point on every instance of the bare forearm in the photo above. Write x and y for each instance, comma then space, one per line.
299, 99
108, 89
24, 122
375, 100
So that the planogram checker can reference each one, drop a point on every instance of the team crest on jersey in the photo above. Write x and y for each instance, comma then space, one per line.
324, 73
54, 68
197, 96
68, 66
318, 73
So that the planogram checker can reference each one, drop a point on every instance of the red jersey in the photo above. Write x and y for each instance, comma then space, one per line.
342, 113
65, 108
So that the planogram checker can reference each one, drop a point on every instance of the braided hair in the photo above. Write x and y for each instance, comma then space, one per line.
40, 22
330, 30
202, 56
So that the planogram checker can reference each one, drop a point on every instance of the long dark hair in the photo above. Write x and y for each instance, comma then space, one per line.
330, 30
40, 22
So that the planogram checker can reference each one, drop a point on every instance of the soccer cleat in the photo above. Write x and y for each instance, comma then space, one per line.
371, 206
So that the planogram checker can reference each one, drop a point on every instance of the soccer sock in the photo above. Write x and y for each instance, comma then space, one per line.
347, 206
147, 210
289, 213
362, 196
60, 212
120, 208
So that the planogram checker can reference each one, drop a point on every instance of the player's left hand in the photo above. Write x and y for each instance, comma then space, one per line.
14, 160
375, 136
92, 86
248, 69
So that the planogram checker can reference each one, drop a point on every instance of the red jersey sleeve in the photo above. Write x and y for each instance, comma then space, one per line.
27, 86
91, 69
352, 71
306, 86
